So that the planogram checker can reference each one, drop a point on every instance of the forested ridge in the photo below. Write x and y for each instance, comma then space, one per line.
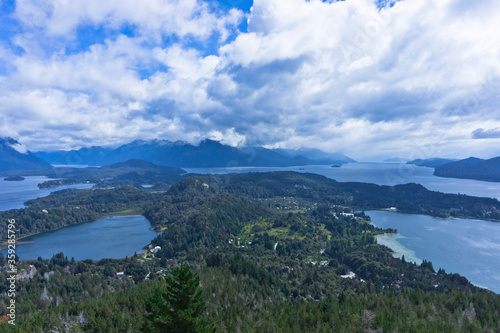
280, 252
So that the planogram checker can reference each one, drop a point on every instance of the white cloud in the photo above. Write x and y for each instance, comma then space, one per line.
152, 18
338, 76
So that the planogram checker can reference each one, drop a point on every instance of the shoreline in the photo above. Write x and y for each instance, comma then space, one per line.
436, 217
387, 234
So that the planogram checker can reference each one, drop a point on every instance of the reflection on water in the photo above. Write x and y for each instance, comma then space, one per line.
468, 247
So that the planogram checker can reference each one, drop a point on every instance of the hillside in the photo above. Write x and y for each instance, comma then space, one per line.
409, 198
13, 157
471, 168
274, 246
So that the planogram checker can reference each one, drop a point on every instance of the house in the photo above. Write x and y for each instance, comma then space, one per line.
26, 274
347, 214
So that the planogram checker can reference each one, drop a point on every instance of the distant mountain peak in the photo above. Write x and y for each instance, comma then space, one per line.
207, 153
210, 142
472, 160
9, 141
151, 142
15, 156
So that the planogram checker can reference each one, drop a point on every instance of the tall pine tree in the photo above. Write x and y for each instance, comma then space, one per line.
179, 308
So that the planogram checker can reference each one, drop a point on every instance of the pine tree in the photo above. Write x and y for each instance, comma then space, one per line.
178, 309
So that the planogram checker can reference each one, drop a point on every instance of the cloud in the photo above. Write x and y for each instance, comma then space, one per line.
363, 77
154, 18
486, 134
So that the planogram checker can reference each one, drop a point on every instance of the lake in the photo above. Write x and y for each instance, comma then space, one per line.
112, 237
381, 174
468, 247
13, 194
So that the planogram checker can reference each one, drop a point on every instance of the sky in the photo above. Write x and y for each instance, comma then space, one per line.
371, 79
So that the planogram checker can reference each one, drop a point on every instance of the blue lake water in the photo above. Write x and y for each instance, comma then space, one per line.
381, 174
112, 237
13, 194
468, 247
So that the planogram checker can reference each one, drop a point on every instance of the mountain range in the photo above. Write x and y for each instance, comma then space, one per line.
207, 154
83, 156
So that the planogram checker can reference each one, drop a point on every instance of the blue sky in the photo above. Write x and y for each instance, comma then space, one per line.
413, 78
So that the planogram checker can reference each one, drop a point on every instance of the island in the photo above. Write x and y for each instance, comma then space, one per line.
14, 178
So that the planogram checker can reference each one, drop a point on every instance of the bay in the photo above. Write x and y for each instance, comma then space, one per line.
13, 194
465, 246
112, 237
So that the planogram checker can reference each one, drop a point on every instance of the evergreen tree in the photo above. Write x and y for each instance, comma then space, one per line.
180, 307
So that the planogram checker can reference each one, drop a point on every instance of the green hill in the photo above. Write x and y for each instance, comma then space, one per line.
471, 168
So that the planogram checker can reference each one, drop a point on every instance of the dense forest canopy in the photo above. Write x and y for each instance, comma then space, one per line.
278, 251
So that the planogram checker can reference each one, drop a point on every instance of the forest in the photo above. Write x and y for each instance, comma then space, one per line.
275, 190
279, 252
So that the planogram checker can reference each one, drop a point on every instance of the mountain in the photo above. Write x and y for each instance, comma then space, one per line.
13, 156
431, 162
86, 156
206, 154
181, 154
471, 168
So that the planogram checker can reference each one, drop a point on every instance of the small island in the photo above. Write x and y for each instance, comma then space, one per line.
14, 179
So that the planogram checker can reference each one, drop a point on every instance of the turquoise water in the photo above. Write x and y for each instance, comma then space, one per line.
14, 194
468, 247
112, 237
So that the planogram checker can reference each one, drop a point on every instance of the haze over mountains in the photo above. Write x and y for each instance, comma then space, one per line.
75, 157
210, 153
207, 153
